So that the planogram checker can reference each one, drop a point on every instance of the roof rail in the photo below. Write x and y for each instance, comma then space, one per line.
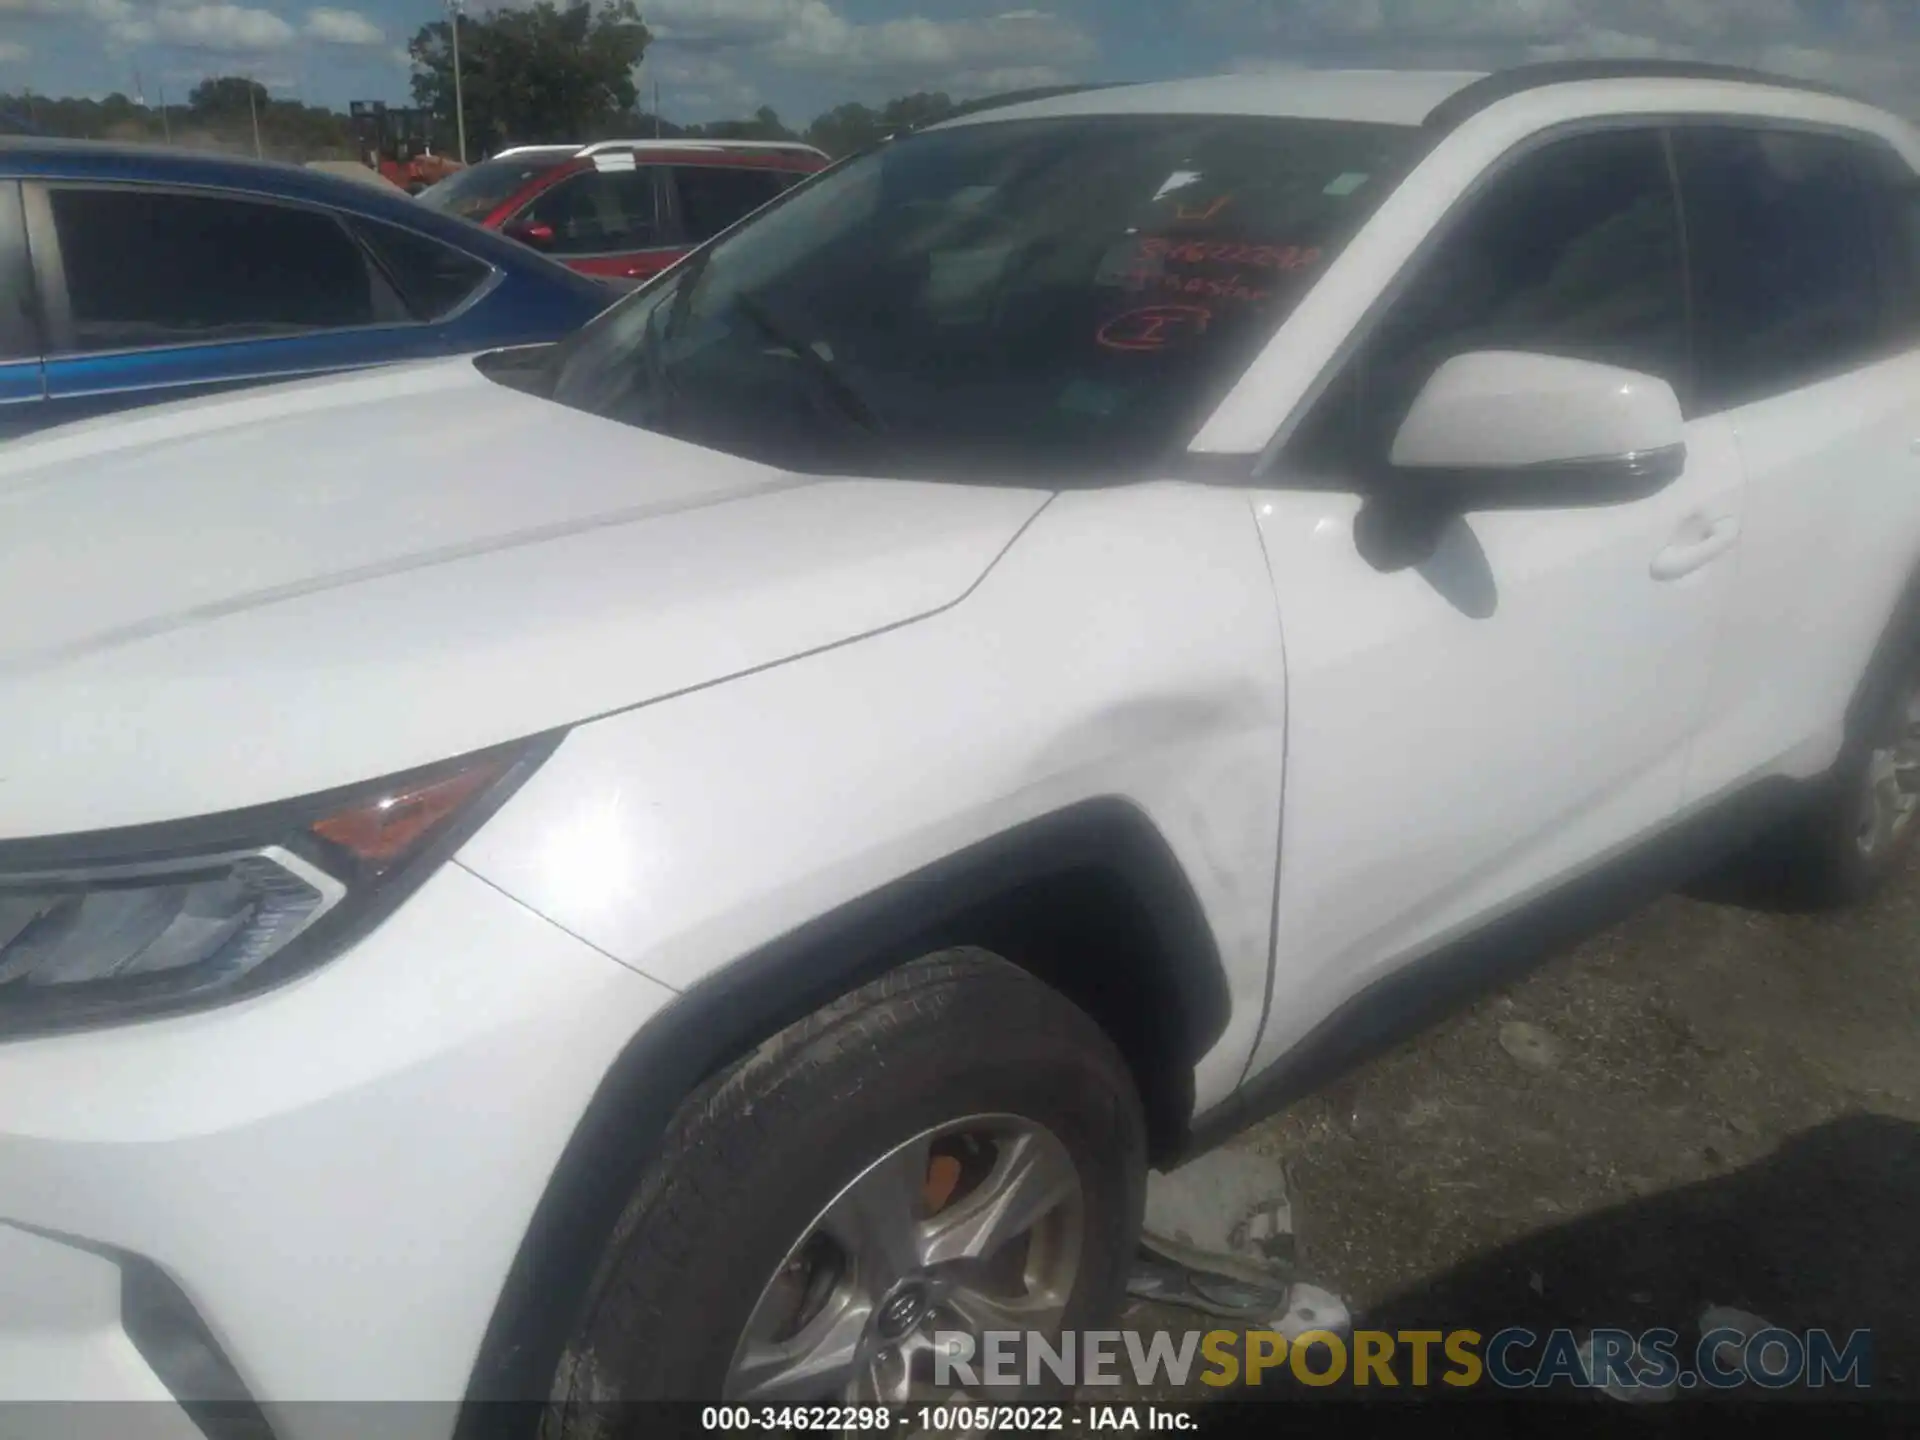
1023, 97
700, 143
530, 149
1489, 90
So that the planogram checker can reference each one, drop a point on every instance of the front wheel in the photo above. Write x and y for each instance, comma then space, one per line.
954, 1149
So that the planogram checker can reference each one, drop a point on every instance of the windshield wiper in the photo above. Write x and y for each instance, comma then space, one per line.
843, 390
653, 360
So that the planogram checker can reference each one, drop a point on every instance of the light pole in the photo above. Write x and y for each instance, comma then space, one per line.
459, 100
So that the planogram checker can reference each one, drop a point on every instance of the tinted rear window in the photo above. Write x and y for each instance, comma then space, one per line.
434, 279
712, 197
161, 267
1782, 229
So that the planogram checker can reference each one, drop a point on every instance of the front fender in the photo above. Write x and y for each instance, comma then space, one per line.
1126, 647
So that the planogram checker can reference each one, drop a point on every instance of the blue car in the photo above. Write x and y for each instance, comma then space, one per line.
130, 275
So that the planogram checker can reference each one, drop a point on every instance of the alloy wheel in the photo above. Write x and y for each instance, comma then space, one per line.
1892, 793
969, 1227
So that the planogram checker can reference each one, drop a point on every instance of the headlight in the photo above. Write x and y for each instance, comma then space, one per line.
132, 922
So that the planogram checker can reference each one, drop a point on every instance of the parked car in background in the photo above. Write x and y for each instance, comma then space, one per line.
625, 209
130, 274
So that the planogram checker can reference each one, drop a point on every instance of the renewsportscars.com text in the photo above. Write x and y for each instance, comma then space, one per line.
1511, 1359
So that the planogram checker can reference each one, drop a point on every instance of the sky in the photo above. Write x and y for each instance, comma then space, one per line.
715, 59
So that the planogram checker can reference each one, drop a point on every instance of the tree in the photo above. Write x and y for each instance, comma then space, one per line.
536, 74
853, 126
765, 125
909, 112
846, 128
224, 96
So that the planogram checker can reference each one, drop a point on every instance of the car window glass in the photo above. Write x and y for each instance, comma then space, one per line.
434, 279
155, 268
598, 212
479, 190
19, 307
712, 197
1781, 232
1573, 251
1898, 191
1065, 295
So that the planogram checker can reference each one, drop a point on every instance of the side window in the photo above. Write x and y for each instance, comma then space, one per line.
433, 279
19, 305
1897, 194
712, 197
1574, 250
599, 212
155, 267
1781, 229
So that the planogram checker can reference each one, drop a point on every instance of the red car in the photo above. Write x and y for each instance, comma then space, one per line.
624, 209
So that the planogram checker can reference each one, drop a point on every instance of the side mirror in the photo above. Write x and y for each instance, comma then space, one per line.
536, 233
1497, 429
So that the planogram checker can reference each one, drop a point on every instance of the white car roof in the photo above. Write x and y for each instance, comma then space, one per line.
1387, 97
1428, 97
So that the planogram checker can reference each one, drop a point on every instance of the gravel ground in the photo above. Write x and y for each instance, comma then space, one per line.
1704, 1105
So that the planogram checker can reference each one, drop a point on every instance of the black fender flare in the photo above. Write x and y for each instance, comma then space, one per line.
715, 1022
1892, 654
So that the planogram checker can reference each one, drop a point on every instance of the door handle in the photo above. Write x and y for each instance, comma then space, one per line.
1683, 557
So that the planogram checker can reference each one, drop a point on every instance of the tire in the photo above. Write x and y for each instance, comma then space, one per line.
752, 1161
1865, 813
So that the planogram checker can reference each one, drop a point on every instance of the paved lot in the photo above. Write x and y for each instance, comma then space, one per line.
1726, 1109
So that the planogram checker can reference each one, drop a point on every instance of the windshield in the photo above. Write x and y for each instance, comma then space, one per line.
479, 190
1030, 297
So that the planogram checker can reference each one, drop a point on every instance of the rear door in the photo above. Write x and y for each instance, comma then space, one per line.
22, 382
608, 222
155, 293
1809, 352
707, 199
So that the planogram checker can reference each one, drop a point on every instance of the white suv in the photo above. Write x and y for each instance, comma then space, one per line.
684, 863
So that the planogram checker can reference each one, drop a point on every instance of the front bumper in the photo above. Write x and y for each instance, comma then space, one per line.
336, 1175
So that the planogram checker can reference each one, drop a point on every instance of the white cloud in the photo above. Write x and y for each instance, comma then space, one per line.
933, 48
1008, 78
12, 52
222, 27
696, 82
1872, 46
119, 19
716, 41
343, 27
721, 23
215, 25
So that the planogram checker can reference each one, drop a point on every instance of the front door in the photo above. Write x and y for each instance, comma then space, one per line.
607, 222
1467, 729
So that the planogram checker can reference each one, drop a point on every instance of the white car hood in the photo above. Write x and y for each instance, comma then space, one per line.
222, 603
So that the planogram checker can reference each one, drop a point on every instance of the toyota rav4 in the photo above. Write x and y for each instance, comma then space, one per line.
687, 862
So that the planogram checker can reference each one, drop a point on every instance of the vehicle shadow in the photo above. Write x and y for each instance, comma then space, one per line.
1759, 875
1819, 1235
